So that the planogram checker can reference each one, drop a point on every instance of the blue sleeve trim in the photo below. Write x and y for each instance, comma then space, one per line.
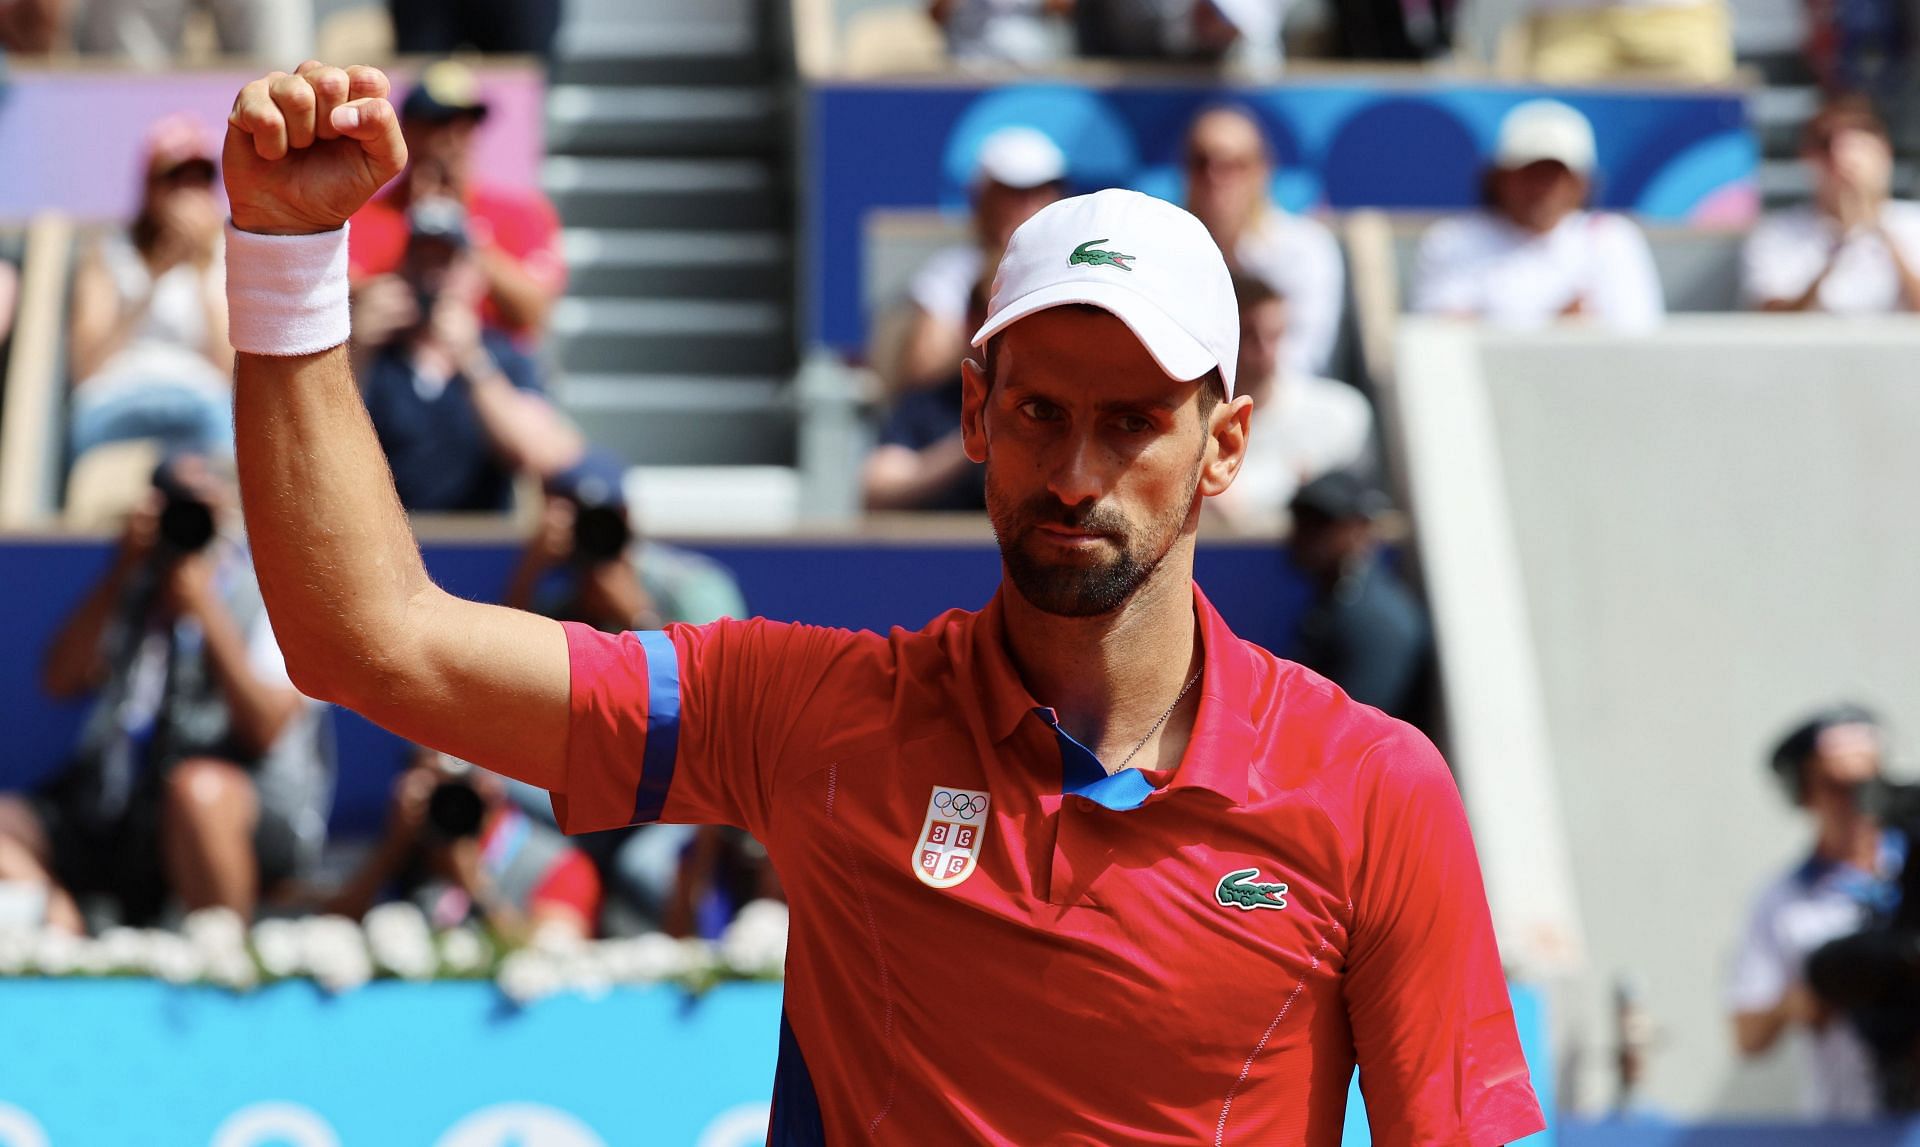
662, 750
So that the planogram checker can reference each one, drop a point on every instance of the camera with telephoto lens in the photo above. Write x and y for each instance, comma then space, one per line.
601, 532
455, 810
186, 523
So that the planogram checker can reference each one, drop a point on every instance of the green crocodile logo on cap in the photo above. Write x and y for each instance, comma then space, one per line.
1082, 256
1239, 889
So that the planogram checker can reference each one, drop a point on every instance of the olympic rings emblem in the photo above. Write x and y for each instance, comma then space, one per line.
963, 806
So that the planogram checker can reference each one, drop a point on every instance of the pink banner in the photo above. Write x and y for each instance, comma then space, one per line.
70, 140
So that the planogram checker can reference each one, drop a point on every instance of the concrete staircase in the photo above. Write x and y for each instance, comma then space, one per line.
667, 139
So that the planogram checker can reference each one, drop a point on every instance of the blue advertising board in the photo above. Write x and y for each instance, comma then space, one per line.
1667, 155
108, 1063
858, 585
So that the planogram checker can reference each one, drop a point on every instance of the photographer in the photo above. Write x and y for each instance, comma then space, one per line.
460, 849
1827, 766
586, 563
457, 407
201, 775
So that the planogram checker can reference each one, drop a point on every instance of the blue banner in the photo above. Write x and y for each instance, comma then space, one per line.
109, 1063
1671, 156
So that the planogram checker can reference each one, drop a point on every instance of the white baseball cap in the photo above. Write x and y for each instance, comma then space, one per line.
1020, 157
1149, 263
1545, 130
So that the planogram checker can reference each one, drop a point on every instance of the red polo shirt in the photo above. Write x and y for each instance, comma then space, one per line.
994, 942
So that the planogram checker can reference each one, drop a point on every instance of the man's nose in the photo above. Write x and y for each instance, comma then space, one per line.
1077, 474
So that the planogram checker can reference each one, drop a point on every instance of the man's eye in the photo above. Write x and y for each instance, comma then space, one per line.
1135, 424
1039, 411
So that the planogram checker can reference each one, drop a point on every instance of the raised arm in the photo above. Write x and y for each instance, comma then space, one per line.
360, 622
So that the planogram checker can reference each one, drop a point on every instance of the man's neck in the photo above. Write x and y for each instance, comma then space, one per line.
1852, 839
1109, 678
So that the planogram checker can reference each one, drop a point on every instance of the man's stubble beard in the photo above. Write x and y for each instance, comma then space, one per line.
1082, 590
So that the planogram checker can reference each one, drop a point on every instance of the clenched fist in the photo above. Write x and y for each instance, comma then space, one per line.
305, 151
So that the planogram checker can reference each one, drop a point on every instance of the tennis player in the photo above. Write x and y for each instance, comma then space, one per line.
1080, 868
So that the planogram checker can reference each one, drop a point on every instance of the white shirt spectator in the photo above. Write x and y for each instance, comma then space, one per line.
944, 282
1484, 266
1787, 249
1300, 258
1796, 914
165, 343
1003, 31
1306, 426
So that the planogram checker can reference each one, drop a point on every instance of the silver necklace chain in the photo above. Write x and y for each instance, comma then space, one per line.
1142, 742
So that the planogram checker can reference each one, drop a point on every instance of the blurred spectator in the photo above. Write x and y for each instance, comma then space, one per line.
1854, 250
457, 407
1573, 42
148, 343
1019, 32
1303, 425
1018, 171
1230, 166
1535, 254
612, 578
920, 463
459, 849
201, 775
587, 563
149, 32
1195, 31
1364, 631
1823, 765
1391, 29
33, 27
511, 27
515, 231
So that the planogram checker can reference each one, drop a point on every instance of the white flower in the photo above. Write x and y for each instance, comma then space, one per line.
215, 929
55, 953
92, 959
529, 975
646, 959
555, 938
755, 944
401, 941
278, 944
174, 958
587, 970
123, 949
233, 969
16, 951
335, 951
464, 951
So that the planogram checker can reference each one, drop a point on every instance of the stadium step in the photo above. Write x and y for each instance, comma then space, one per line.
684, 263
694, 193
667, 130
687, 420
694, 120
673, 336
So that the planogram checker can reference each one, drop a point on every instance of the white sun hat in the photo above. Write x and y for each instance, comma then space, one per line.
1545, 130
1149, 263
1021, 157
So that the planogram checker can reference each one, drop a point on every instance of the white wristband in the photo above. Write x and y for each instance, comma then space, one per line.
286, 294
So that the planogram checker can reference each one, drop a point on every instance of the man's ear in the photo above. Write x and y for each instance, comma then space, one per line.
973, 410
1227, 430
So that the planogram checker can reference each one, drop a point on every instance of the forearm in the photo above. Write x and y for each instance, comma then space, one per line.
900, 479
73, 661
522, 428
213, 306
257, 712
337, 564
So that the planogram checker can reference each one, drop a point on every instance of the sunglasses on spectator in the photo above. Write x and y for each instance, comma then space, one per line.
188, 172
1226, 163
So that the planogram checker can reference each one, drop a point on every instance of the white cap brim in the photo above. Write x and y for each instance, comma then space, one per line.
1179, 354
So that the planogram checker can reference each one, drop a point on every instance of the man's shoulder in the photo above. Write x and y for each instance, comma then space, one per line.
497, 200
1314, 733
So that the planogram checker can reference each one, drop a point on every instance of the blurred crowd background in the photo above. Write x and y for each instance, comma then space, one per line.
704, 270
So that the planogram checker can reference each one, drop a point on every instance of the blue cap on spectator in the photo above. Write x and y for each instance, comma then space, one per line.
596, 480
